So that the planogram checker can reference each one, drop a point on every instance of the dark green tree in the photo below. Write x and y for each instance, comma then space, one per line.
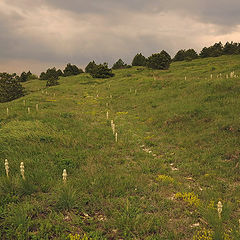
180, 56
89, 68
190, 54
10, 88
139, 60
23, 77
166, 54
231, 48
158, 61
213, 51
50, 73
119, 65
52, 82
102, 71
71, 70
60, 73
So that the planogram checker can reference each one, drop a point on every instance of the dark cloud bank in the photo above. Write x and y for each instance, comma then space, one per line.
55, 32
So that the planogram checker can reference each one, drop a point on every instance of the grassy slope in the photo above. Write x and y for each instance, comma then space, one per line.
189, 125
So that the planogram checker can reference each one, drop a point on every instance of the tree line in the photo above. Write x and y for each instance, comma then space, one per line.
10, 87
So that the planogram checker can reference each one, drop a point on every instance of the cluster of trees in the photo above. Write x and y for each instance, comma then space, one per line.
99, 70
159, 61
10, 87
52, 74
216, 50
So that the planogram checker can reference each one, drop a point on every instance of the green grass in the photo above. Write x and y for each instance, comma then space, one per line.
186, 131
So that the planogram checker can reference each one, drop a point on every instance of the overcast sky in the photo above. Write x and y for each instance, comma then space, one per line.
37, 34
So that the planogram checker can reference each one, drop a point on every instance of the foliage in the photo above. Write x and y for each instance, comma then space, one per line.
182, 55
165, 179
102, 71
139, 60
163, 52
203, 234
190, 198
213, 51
71, 70
10, 88
159, 61
67, 198
90, 67
52, 82
120, 65
51, 73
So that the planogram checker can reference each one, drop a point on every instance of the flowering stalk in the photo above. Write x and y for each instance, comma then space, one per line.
6, 167
116, 137
64, 175
28, 109
7, 112
113, 128
22, 170
107, 114
37, 107
24, 102
219, 208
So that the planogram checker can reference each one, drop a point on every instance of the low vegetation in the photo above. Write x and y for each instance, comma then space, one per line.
177, 155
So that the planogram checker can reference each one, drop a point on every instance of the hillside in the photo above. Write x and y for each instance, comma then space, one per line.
177, 155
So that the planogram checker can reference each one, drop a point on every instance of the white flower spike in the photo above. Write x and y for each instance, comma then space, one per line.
6, 167
219, 208
64, 175
22, 170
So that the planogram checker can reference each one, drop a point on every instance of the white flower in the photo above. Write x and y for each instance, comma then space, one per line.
6, 167
219, 208
22, 170
64, 175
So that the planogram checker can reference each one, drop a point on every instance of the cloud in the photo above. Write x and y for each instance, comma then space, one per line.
58, 31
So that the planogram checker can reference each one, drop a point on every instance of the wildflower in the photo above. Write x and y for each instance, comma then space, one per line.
113, 128
7, 111
219, 208
37, 107
107, 114
28, 109
24, 102
64, 175
6, 167
116, 137
22, 170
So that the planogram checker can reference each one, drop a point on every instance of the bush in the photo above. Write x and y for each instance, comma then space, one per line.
71, 70
52, 82
158, 61
50, 73
119, 65
139, 60
10, 88
102, 71
90, 67
187, 55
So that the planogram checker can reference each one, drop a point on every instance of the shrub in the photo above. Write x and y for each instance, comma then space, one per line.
139, 60
10, 88
90, 67
50, 73
119, 65
52, 82
71, 70
102, 71
158, 61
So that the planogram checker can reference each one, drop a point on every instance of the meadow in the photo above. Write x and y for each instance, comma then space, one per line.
176, 156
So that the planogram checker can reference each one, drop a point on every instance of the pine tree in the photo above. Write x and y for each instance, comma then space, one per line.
119, 65
90, 67
71, 70
102, 71
139, 60
10, 88
158, 61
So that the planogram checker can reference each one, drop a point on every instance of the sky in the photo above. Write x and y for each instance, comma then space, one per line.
38, 34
